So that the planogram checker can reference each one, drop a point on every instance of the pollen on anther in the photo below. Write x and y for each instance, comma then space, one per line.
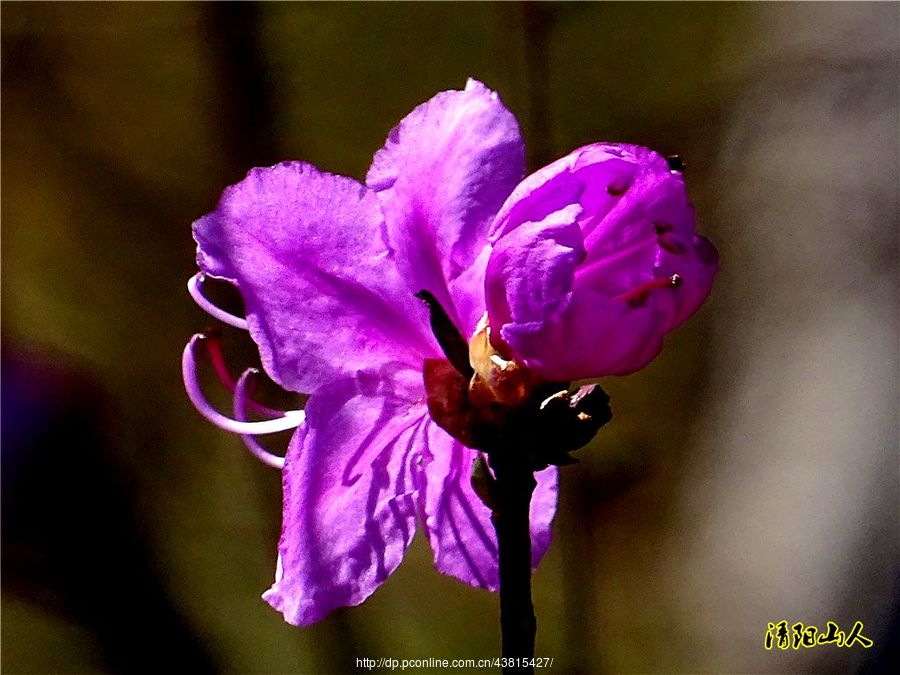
675, 280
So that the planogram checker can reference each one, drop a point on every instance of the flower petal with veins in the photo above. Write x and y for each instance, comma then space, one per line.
459, 525
323, 294
440, 178
349, 496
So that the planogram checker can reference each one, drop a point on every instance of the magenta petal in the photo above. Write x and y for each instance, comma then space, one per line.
596, 176
594, 336
531, 270
656, 198
543, 509
350, 496
441, 176
696, 264
323, 295
459, 525
467, 290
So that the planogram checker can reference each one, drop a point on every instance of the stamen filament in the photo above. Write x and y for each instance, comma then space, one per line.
291, 419
195, 288
639, 293
586, 272
214, 348
240, 404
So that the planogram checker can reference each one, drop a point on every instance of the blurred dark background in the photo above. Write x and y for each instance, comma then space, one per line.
750, 473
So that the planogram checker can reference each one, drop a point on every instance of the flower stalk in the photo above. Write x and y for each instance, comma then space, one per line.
513, 486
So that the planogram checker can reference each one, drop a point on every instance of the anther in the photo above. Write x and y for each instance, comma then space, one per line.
660, 228
195, 288
245, 385
290, 419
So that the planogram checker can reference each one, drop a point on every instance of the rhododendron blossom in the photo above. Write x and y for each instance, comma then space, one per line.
594, 260
576, 272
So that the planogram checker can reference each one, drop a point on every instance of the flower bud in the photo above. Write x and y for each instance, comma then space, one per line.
594, 261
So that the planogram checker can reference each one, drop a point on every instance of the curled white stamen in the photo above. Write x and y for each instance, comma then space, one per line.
291, 420
214, 348
195, 288
240, 412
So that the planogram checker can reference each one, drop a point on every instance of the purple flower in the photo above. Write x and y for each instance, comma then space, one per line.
577, 279
594, 260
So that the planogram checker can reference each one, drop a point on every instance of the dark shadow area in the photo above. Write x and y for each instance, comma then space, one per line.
71, 540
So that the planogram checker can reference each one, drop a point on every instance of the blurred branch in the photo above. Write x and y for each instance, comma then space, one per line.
244, 109
537, 23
